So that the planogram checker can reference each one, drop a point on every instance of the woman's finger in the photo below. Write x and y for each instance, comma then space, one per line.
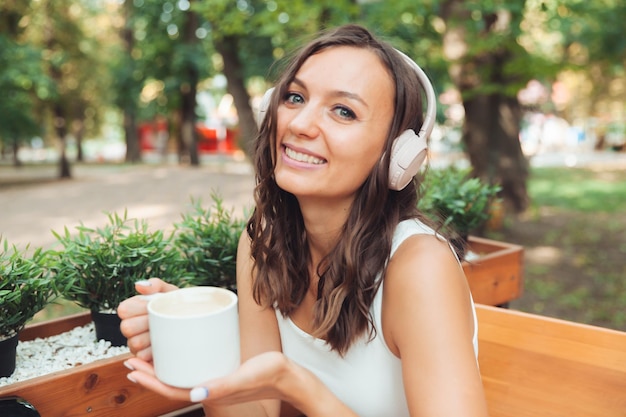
136, 364
133, 325
142, 373
145, 354
139, 342
133, 307
154, 285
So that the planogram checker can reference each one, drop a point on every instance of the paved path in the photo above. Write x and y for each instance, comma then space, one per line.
33, 202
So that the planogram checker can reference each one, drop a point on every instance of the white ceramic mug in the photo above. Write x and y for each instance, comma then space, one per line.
194, 334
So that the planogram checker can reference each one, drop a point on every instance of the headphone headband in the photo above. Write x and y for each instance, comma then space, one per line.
431, 100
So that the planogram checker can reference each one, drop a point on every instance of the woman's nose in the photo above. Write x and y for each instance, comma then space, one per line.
305, 121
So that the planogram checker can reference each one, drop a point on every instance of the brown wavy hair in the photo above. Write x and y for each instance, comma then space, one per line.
350, 274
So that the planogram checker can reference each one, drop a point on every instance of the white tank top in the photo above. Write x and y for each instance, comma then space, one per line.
368, 379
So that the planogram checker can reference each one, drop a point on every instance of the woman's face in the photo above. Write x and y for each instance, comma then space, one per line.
332, 123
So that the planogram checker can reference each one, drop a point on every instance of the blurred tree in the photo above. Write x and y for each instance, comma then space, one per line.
73, 59
489, 68
129, 81
20, 74
22, 80
486, 50
588, 40
189, 84
161, 67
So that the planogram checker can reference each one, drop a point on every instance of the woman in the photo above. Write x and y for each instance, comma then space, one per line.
349, 304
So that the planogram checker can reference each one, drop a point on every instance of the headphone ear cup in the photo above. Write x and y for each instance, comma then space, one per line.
408, 152
263, 106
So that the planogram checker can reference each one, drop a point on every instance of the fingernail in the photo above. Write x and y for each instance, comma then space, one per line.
129, 366
198, 394
143, 283
131, 379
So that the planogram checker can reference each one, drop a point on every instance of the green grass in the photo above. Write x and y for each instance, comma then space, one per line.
579, 189
579, 216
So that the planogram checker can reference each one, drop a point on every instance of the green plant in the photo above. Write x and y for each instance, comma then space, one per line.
208, 239
98, 268
26, 287
463, 202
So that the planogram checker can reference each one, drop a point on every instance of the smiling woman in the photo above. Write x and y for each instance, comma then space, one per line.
339, 276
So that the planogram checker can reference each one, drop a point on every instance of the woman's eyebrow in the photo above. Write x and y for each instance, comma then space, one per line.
335, 93
347, 94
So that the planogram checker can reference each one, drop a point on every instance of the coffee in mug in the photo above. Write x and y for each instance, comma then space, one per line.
194, 334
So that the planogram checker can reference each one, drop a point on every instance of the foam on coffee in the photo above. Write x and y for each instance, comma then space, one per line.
181, 303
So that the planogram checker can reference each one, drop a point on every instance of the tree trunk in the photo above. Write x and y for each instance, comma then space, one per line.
79, 132
492, 119
59, 119
188, 91
60, 128
16, 147
490, 132
233, 70
175, 129
133, 151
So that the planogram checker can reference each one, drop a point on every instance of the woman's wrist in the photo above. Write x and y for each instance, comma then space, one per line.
307, 393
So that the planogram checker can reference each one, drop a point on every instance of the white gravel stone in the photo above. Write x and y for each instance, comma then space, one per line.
56, 353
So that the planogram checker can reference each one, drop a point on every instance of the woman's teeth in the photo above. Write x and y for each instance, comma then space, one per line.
301, 157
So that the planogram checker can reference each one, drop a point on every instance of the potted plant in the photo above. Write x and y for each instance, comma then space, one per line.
26, 288
98, 268
462, 202
208, 239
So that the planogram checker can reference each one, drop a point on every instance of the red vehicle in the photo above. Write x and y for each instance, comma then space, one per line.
154, 137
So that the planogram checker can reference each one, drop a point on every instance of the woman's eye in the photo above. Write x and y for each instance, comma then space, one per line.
344, 113
293, 98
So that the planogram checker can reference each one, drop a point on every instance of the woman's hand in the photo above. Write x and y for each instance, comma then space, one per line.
134, 315
269, 375
258, 378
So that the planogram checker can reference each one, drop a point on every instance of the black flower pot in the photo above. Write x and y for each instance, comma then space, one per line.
8, 349
17, 407
108, 327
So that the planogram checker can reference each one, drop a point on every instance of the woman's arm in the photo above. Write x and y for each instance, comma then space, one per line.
258, 329
265, 371
428, 323
258, 333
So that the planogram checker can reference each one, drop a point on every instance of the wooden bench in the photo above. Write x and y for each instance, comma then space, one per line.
532, 366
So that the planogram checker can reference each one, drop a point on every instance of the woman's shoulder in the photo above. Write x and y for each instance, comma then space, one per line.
424, 280
423, 261
411, 227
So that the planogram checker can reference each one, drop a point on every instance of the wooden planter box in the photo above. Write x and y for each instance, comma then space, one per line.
97, 389
496, 277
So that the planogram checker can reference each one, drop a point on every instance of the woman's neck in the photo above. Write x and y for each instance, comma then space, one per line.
323, 222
